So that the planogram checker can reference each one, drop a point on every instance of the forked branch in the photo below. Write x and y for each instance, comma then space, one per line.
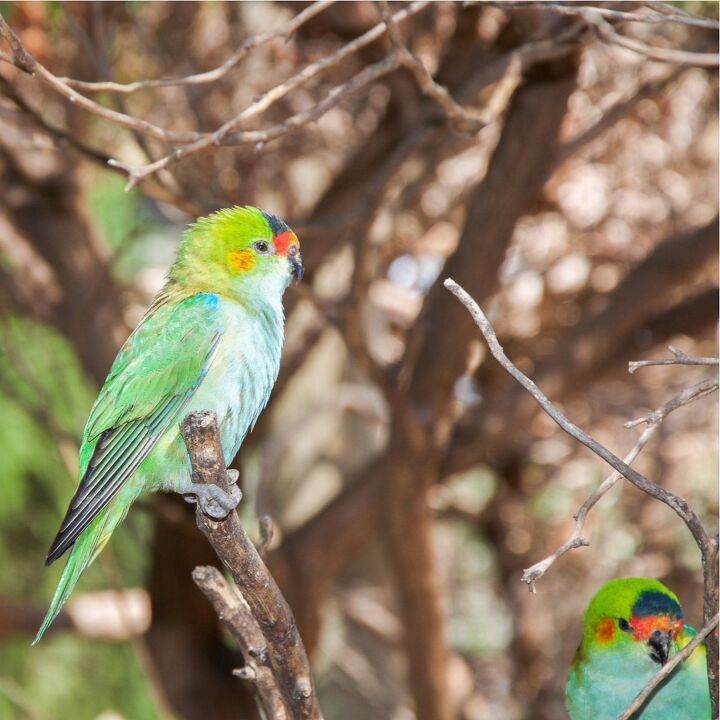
653, 420
286, 655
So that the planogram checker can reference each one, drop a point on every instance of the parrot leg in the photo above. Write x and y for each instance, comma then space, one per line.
214, 501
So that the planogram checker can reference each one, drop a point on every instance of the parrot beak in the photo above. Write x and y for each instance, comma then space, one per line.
659, 642
296, 263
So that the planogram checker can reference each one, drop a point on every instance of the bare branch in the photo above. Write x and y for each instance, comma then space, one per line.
707, 545
225, 133
149, 187
259, 137
237, 617
287, 657
463, 120
667, 55
534, 573
677, 504
661, 16
679, 358
666, 670
701, 389
27, 63
211, 75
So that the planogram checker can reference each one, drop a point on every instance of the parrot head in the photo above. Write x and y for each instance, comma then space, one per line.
242, 252
637, 616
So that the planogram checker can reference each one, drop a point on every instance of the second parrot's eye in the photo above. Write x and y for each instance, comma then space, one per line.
262, 247
624, 625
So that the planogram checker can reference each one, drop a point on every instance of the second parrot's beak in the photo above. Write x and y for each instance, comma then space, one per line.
296, 263
659, 643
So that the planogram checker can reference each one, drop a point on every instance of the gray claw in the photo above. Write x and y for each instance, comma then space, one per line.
213, 501
233, 476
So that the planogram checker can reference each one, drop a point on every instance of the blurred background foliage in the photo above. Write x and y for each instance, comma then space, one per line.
565, 257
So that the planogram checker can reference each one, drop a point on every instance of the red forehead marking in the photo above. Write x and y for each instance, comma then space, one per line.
606, 630
284, 240
642, 626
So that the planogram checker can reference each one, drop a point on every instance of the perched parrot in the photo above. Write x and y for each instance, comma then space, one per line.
632, 627
211, 340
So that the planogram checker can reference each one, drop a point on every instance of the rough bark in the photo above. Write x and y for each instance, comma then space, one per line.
286, 654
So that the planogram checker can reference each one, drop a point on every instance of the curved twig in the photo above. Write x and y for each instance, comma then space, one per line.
210, 76
678, 504
679, 358
535, 572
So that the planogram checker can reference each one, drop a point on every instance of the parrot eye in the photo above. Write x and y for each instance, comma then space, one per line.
624, 625
262, 247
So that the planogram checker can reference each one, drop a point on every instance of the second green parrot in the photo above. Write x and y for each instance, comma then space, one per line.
632, 627
210, 341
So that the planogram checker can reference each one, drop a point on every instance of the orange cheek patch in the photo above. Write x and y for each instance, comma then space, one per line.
284, 240
606, 630
241, 260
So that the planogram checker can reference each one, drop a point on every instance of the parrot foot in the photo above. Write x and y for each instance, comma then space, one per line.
214, 501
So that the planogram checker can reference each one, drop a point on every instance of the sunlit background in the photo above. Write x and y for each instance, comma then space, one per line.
80, 260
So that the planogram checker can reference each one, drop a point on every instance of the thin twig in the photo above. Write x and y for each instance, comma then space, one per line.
210, 76
676, 503
462, 119
287, 656
535, 572
259, 137
666, 670
679, 358
27, 63
701, 389
225, 134
149, 187
617, 15
607, 33
707, 545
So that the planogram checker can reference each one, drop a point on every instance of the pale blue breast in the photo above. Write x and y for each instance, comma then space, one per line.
236, 388
244, 371
602, 686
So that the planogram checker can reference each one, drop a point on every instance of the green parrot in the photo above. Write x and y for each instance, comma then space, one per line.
211, 340
632, 627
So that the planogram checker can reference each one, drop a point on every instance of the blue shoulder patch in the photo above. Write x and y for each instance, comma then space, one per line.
210, 299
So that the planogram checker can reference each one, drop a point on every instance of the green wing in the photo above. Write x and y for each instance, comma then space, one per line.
152, 379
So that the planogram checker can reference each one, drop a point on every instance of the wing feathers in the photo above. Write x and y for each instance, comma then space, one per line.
122, 447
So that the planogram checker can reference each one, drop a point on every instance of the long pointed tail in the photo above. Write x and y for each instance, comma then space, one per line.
86, 548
